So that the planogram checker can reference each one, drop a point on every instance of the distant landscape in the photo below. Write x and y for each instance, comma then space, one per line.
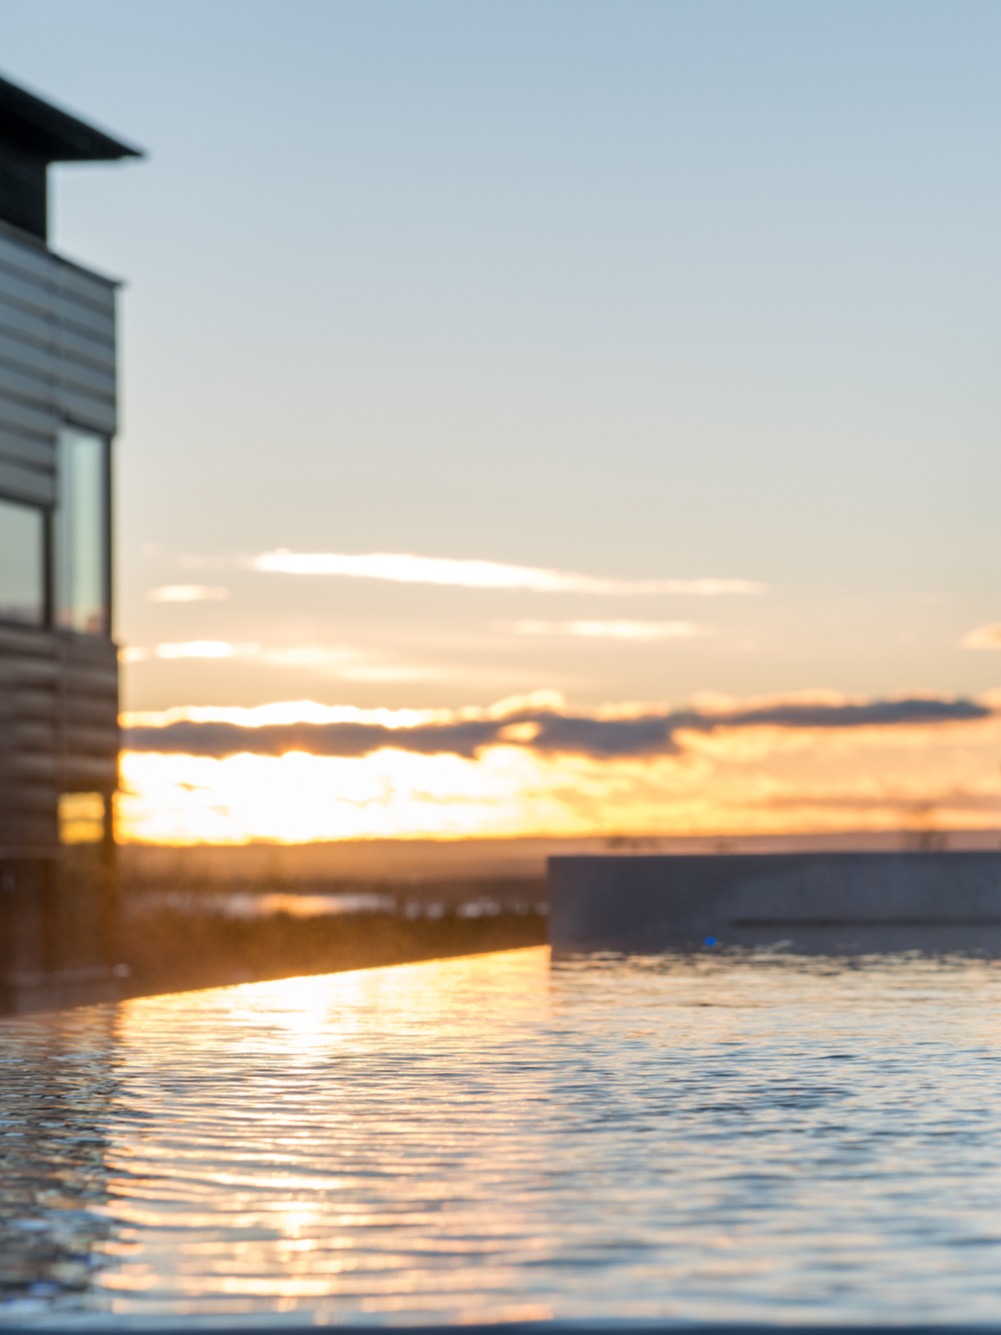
419, 866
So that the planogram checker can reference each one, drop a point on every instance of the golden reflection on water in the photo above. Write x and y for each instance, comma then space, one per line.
273, 1173
742, 1137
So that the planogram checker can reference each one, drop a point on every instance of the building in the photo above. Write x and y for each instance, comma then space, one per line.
58, 659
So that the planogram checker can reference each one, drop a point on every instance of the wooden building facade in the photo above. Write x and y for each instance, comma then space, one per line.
58, 659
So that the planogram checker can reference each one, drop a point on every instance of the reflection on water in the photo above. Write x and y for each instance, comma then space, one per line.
709, 1137
258, 905
56, 1100
261, 905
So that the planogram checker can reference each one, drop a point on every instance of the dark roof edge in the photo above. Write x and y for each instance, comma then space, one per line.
55, 134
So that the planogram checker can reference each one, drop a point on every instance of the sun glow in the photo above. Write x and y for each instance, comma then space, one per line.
297, 797
763, 779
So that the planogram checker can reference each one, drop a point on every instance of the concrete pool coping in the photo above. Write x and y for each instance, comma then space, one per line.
816, 901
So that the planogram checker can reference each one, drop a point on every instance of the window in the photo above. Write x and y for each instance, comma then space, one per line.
82, 533
22, 563
81, 818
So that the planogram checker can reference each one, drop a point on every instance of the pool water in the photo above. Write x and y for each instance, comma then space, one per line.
710, 1137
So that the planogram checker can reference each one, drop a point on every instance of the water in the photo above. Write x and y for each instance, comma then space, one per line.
714, 1137
259, 905
255, 905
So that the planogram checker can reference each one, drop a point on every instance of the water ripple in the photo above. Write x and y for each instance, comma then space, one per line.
721, 1137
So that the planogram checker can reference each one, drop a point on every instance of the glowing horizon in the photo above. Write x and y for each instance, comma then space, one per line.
707, 409
727, 770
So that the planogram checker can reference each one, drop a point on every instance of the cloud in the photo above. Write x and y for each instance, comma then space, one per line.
636, 631
284, 711
313, 657
984, 637
405, 568
394, 674
463, 738
902, 710
188, 593
206, 649
541, 728
342, 661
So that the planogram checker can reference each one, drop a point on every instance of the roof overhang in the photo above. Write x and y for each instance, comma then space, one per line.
45, 132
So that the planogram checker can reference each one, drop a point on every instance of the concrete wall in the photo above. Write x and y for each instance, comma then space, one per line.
809, 901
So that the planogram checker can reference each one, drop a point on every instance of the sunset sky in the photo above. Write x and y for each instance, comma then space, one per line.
591, 408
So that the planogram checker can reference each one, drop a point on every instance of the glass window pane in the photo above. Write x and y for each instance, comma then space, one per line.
22, 563
82, 533
81, 818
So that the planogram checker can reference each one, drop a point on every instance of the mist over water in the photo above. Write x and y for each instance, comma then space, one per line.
736, 1136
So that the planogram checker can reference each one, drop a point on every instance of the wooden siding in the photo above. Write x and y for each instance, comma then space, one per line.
58, 691
58, 728
57, 362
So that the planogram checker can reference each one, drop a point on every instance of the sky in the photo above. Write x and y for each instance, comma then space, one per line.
562, 360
